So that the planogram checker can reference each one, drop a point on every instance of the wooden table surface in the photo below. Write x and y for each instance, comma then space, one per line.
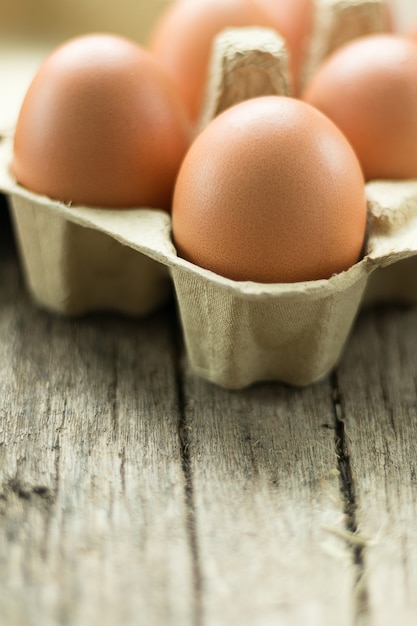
132, 492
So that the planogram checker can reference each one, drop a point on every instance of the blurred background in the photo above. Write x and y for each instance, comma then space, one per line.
30, 28
58, 19
54, 20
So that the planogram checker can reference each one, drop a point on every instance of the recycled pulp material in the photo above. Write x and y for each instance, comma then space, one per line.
70, 266
236, 333
392, 206
244, 63
338, 21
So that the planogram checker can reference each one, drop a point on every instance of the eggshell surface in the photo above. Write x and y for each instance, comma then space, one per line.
270, 191
101, 125
369, 89
182, 39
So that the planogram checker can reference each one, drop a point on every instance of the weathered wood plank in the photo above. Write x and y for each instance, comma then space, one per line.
378, 392
265, 487
131, 488
93, 516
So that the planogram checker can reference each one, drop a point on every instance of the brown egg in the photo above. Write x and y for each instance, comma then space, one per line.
369, 89
293, 19
101, 125
270, 191
182, 38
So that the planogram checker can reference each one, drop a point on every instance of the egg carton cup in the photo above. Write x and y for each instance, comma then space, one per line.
78, 259
237, 333
72, 265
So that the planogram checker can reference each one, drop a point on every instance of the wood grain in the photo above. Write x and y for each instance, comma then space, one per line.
132, 492
267, 504
93, 518
378, 383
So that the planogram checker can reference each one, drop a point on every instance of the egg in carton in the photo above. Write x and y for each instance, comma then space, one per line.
74, 266
73, 270
236, 333
100, 124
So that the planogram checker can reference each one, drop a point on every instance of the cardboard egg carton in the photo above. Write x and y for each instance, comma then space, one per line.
80, 259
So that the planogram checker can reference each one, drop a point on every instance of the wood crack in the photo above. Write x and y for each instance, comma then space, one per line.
183, 433
57, 449
113, 394
38, 494
355, 543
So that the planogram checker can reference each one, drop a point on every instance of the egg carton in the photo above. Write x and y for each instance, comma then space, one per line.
81, 259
